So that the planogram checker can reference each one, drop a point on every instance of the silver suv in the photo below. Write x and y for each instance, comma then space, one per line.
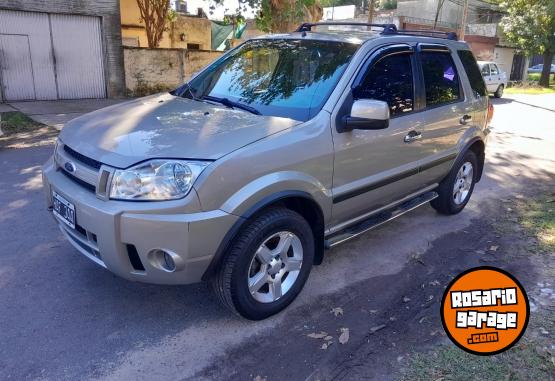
284, 147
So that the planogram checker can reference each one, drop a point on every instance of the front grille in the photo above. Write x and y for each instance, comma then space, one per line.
84, 184
82, 158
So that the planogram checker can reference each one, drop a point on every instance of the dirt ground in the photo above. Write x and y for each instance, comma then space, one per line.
393, 319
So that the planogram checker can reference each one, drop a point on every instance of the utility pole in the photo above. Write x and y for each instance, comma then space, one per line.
371, 10
463, 21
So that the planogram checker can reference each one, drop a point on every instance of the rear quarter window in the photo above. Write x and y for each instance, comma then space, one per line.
473, 73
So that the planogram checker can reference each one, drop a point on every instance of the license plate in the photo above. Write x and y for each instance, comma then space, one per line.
63, 209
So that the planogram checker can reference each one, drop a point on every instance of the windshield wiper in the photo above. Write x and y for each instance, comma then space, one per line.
232, 104
187, 88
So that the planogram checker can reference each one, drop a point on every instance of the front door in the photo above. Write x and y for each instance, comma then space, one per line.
375, 167
16, 69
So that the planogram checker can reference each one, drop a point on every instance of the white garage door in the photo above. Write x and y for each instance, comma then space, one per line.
17, 70
50, 56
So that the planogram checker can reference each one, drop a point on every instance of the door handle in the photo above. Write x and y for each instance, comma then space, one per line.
412, 136
465, 119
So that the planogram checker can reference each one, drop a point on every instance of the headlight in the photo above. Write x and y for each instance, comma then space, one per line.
156, 180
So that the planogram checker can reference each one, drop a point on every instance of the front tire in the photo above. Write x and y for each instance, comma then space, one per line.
267, 264
455, 190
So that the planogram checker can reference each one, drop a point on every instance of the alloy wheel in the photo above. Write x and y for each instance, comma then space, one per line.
463, 183
275, 267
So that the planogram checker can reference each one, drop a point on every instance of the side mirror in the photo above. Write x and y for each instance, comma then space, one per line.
367, 114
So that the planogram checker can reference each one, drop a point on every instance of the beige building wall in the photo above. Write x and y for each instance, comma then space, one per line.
153, 70
504, 58
185, 30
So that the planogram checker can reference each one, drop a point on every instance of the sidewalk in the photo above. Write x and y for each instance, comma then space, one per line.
57, 113
544, 101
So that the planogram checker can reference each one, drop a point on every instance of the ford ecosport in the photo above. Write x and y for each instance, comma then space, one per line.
282, 148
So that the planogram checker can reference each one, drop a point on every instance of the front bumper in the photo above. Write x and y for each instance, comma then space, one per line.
109, 231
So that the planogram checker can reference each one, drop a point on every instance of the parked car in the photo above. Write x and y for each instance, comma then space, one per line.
284, 147
495, 78
539, 69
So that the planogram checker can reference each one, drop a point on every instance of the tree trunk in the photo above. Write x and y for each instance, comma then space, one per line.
371, 10
547, 59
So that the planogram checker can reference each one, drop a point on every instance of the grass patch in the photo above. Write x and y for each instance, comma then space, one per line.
533, 357
531, 87
14, 122
538, 218
525, 361
530, 90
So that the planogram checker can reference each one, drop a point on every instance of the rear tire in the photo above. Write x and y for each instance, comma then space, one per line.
499, 92
455, 190
267, 264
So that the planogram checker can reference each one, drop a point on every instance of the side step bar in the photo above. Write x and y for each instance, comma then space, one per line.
377, 220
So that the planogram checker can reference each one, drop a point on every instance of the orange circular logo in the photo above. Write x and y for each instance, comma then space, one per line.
485, 310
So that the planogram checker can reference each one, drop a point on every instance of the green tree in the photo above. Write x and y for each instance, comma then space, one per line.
336, 3
281, 16
388, 4
530, 25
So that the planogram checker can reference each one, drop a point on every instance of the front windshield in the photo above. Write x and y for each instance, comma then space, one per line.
288, 78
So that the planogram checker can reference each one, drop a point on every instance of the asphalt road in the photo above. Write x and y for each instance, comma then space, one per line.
62, 317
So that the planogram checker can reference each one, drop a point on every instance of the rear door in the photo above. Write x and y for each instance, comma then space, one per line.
446, 114
475, 88
495, 78
486, 74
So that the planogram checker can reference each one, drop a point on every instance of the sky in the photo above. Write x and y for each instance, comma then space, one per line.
228, 6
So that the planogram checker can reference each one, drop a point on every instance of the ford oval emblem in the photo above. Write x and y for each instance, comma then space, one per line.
70, 167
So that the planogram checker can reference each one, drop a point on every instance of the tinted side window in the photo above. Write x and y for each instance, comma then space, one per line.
485, 70
473, 72
390, 80
440, 78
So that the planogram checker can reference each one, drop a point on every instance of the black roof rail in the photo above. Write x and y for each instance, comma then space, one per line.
388, 29
432, 33
307, 26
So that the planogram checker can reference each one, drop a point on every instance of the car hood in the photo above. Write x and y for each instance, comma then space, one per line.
166, 126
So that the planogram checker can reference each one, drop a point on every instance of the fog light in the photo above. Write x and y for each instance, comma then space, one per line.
165, 260
169, 264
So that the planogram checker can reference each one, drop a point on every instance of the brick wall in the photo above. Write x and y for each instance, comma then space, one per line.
158, 69
108, 10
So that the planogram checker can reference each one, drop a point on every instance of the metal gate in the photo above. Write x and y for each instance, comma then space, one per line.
50, 56
17, 71
517, 69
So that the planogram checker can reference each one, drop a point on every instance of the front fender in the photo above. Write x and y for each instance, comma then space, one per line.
274, 186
